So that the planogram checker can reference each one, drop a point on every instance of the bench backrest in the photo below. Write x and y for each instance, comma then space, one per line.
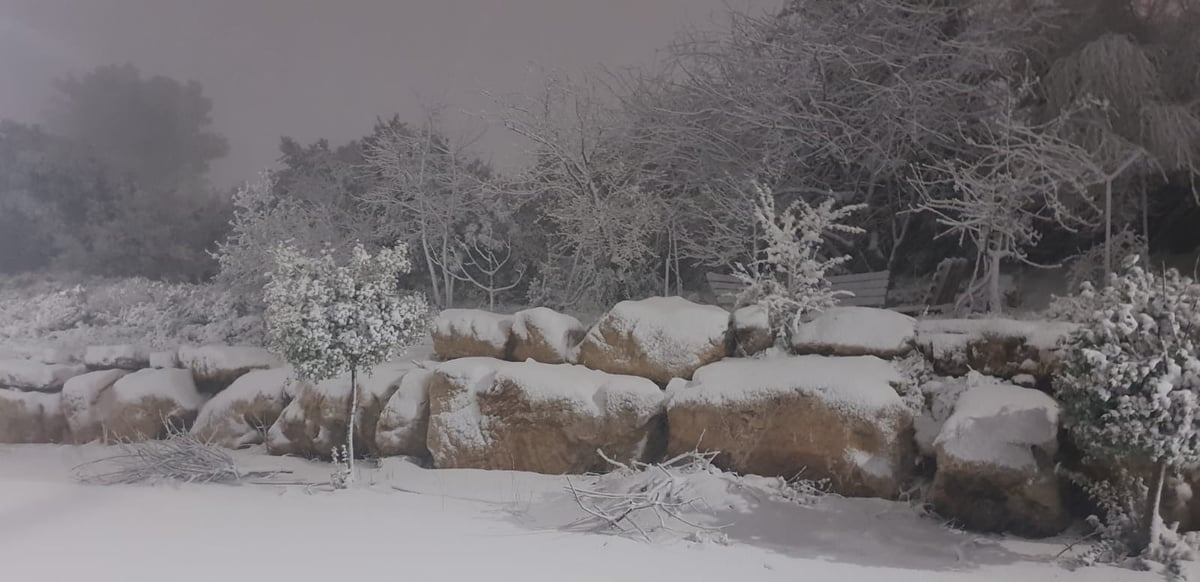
870, 289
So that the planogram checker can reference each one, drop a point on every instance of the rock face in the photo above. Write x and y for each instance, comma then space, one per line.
240, 415
527, 416
750, 331
376, 391
166, 359
658, 338
403, 425
146, 404
214, 368
36, 376
31, 417
1003, 348
465, 333
314, 423
855, 331
122, 357
825, 418
544, 335
80, 403
995, 462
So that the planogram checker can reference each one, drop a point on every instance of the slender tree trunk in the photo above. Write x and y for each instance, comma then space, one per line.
1145, 223
1108, 229
994, 300
1152, 518
352, 417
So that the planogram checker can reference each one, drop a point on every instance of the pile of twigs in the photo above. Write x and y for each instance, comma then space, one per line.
181, 457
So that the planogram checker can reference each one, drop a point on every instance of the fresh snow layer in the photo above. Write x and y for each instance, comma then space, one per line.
947, 334
80, 394
38, 353
170, 384
996, 424
861, 330
470, 525
276, 384
585, 390
490, 328
211, 360
166, 359
862, 384
557, 329
670, 330
32, 375
116, 356
940, 395
751, 317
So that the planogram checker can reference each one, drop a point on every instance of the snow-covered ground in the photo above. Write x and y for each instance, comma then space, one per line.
407, 523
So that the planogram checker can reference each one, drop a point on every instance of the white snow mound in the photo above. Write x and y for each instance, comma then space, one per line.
31, 375
171, 384
997, 424
854, 331
484, 326
558, 330
126, 357
79, 400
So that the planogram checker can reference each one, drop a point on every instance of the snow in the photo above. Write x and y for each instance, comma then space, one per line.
171, 384
124, 356
751, 317
38, 353
670, 331
166, 359
485, 326
941, 395
213, 360
459, 416
558, 330
276, 384
949, 334
31, 375
406, 411
997, 424
80, 394
855, 331
860, 384
584, 390
468, 525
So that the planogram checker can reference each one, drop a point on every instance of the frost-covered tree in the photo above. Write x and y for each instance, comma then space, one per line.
1130, 390
327, 318
788, 278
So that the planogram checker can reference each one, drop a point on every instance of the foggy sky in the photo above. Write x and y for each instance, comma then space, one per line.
327, 68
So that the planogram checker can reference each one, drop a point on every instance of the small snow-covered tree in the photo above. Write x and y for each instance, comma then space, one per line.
327, 318
788, 277
1130, 390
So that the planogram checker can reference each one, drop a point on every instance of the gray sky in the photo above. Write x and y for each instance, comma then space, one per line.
326, 68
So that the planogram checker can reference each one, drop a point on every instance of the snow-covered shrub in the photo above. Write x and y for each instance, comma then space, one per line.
790, 280
327, 319
1130, 389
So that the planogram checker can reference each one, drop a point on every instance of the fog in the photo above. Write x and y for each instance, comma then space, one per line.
311, 69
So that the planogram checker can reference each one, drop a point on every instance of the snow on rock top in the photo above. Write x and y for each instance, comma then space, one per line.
659, 338
38, 353
215, 367
855, 331
125, 357
174, 385
462, 333
31, 375
79, 397
586, 391
238, 415
1043, 335
545, 335
31, 417
996, 423
861, 384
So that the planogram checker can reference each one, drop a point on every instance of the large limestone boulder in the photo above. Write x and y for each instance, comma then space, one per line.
821, 417
528, 416
148, 404
314, 423
658, 338
403, 426
123, 357
31, 417
1003, 348
544, 335
855, 331
466, 333
36, 376
995, 461
80, 403
240, 415
750, 331
215, 367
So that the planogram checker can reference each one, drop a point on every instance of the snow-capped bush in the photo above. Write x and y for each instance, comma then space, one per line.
327, 319
1130, 389
790, 281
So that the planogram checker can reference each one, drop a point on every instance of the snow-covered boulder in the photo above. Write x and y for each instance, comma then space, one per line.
164, 359
215, 367
659, 338
545, 335
750, 330
145, 404
403, 425
527, 416
855, 331
240, 415
31, 417
466, 333
314, 423
823, 417
80, 398
376, 390
36, 376
42, 354
995, 461
1004, 348
123, 357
